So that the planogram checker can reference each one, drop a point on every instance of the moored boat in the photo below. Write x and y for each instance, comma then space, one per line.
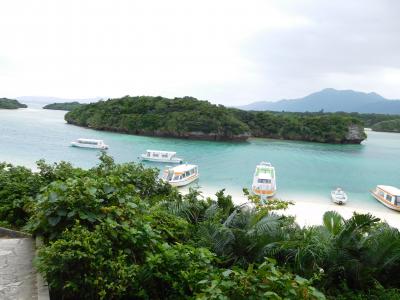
388, 196
161, 156
90, 143
339, 196
264, 180
181, 175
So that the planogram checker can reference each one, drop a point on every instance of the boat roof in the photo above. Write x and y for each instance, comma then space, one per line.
89, 140
160, 151
390, 189
183, 168
264, 176
263, 169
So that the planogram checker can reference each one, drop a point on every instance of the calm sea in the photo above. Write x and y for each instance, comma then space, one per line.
304, 170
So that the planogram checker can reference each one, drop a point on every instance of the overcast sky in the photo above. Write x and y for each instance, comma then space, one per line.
225, 51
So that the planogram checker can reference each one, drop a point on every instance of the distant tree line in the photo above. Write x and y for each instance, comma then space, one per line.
63, 106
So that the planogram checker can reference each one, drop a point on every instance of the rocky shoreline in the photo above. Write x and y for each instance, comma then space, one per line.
355, 135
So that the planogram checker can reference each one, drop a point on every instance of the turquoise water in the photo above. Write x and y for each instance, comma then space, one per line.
304, 170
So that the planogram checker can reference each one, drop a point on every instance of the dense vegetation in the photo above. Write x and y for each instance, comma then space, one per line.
190, 118
6, 103
63, 106
117, 232
389, 126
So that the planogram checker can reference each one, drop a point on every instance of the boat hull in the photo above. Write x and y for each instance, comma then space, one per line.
339, 201
264, 193
73, 144
173, 161
185, 181
385, 202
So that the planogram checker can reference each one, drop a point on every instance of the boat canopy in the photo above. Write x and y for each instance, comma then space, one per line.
265, 175
90, 141
183, 168
169, 153
390, 189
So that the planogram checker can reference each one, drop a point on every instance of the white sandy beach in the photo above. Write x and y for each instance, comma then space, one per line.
309, 213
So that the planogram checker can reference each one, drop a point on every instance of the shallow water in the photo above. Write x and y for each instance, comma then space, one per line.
304, 170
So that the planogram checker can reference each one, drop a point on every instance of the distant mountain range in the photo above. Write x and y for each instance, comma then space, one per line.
331, 100
39, 101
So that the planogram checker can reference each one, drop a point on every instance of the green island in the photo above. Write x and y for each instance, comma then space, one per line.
191, 118
116, 231
63, 106
378, 122
6, 103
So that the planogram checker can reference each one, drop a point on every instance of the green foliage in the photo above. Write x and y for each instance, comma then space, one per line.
190, 118
18, 187
174, 272
92, 197
6, 103
389, 126
178, 117
63, 106
118, 232
85, 264
314, 127
265, 281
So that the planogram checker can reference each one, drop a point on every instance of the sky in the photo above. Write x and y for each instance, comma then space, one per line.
225, 51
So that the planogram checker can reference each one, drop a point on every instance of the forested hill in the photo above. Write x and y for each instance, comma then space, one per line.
63, 106
191, 118
6, 103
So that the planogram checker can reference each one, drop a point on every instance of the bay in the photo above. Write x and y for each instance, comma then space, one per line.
304, 170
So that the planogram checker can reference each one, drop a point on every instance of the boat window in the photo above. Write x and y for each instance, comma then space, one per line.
148, 153
155, 154
397, 202
176, 177
264, 180
187, 173
164, 155
389, 197
88, 142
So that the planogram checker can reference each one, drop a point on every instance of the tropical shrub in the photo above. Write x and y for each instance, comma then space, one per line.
85, 264
18, 187
265, 281
116, 231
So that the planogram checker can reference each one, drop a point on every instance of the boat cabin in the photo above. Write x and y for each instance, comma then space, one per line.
181, 175
160, 154
388, 196
90, 142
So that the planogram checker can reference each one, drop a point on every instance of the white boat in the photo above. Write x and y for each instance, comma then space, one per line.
161, 156
181, 175
264, 180
339, 196
388, 196
90, 143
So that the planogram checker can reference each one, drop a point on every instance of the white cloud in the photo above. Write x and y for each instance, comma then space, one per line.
77, 48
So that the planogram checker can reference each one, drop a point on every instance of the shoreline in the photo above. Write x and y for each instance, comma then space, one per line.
309, 213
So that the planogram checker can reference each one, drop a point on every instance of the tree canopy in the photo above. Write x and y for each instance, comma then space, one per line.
191, 118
